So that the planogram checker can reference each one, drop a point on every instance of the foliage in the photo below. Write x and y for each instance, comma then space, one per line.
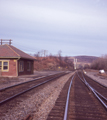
100, 63
52, 62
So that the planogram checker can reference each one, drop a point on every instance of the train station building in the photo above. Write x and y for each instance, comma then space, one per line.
14, 62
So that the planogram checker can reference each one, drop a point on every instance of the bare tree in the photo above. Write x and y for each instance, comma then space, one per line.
100, 63
59, 56
59, 53
45, 53
37, 54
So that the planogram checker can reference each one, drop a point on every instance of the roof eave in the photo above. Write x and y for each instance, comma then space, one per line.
10, 57
28, 58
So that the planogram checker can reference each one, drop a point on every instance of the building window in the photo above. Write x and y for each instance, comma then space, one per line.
4, 65
28, 66
21, 66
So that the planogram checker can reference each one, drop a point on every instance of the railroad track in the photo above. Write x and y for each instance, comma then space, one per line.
80, 99
11, 92
99, 90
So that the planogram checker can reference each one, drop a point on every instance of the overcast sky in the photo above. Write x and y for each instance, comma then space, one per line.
76, 27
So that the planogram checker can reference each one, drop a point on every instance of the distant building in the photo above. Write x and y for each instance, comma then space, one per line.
14, 62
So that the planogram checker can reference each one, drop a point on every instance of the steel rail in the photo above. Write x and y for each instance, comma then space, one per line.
100, 95
80, 77
97, 94
95, 90
67, 101
10, 98
21, 83
27, 81
97, 81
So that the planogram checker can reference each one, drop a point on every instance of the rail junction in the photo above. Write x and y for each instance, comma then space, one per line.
80, 99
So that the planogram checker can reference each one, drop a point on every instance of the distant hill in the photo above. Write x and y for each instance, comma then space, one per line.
86, 59
83, 61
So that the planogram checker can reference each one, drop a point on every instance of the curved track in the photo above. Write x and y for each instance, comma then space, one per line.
85, 102
98, 89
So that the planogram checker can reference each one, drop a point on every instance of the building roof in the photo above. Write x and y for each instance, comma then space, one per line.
9, 51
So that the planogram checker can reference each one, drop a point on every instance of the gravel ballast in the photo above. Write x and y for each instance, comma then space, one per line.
40, 103
96, 77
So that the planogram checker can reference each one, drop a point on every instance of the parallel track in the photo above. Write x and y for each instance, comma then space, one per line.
84, 103
29, 81
12, 92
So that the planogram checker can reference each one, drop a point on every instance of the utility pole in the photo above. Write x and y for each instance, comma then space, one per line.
75, 63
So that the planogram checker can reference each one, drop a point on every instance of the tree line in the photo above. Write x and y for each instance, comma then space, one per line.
53, 62
100, 63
